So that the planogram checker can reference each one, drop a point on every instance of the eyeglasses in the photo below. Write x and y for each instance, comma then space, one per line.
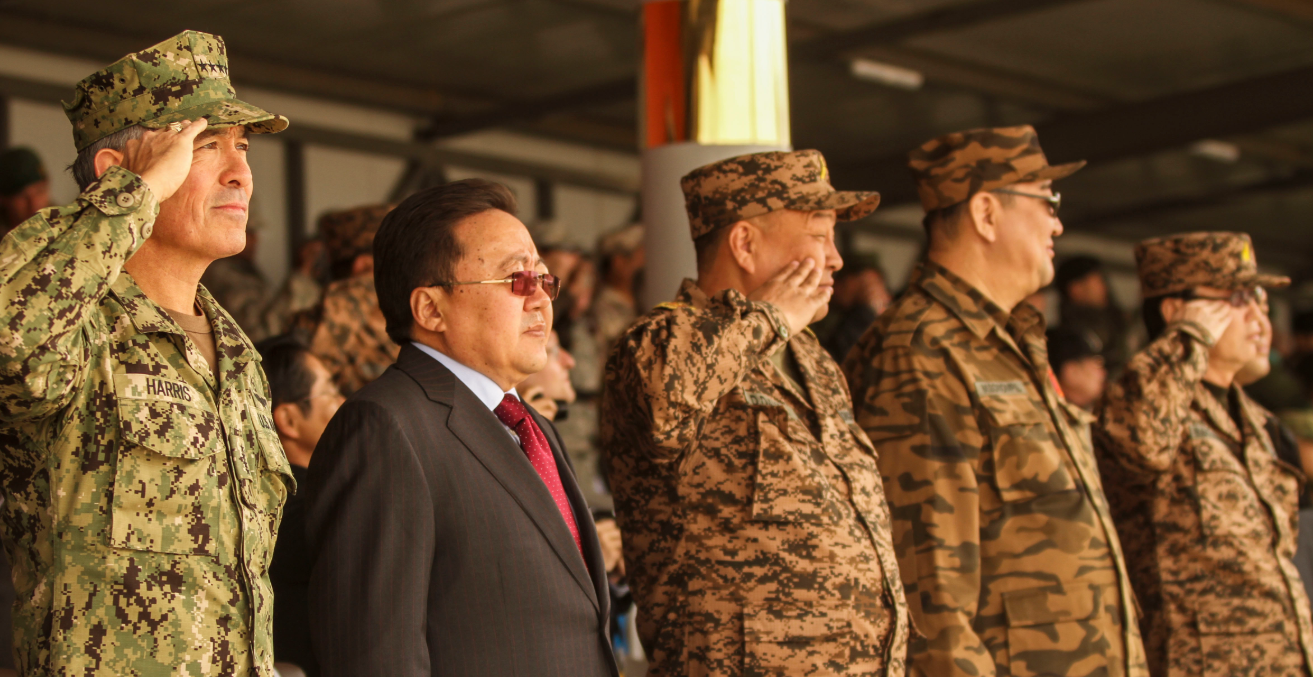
523, 283
1238, 298
1054, 200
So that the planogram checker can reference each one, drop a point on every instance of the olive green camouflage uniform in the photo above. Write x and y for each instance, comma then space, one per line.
756, 531
1005, 543
141, 496
1207, 511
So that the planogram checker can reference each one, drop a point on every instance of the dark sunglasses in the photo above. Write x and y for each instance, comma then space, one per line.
523, 283
1054, 200
1238, 298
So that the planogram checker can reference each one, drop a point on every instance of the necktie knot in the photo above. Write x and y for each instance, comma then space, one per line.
511, 411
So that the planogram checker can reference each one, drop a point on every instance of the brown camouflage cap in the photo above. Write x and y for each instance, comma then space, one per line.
725, 192
1180, 262
350, 232
953, 167
182, 78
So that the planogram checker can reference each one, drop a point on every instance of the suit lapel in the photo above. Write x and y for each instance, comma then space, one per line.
485, 437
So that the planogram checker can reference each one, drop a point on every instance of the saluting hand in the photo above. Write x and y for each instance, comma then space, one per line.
162, 158
797, 292
1213, 316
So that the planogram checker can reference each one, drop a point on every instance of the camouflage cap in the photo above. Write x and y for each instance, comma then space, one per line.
624, 240
1180, 262
350, 232
182, 78
725, 192
953, 167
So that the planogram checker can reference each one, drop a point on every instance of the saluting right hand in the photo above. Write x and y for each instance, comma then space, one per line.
162, 158
1213, 316
796, 291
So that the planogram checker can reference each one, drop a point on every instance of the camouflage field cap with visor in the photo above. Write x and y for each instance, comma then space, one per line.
348, 233
1176, 263
953, 167
725, 192
182, 78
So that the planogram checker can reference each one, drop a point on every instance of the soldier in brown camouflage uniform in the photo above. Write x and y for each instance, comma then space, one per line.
1005, 543
351, 337
756, 530
1207, 510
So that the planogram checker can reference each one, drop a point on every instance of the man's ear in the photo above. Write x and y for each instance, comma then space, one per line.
743, 241
986, 210
286, 418
428, 307
106, 158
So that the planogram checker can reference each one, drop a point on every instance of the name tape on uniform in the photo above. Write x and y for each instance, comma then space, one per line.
1000, 388
145, 387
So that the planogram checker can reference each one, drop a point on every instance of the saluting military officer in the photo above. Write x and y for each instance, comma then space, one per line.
756, 530
1207, 510
1005, 544
144, 480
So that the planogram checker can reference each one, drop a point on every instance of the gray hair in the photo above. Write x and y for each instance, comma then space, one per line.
84, 167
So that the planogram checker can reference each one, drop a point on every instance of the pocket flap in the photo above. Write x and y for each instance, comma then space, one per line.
783, 622
167, 417
1038, 606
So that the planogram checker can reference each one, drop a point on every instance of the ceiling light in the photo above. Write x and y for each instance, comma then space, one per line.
886, 74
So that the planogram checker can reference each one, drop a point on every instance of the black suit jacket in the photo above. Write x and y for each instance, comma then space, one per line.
438, 550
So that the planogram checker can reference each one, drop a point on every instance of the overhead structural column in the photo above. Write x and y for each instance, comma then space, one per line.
714, 85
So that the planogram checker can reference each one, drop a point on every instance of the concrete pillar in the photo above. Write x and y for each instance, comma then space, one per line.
714, 85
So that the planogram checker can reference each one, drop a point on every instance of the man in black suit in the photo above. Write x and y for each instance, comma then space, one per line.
448, 533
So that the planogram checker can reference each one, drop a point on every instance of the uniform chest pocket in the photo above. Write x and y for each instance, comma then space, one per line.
169, 480
1229, 507
264, 482
788, 484
1027, 464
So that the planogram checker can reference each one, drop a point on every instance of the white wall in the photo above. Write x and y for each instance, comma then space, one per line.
46, 129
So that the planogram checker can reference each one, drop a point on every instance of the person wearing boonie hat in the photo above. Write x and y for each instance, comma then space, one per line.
1208, 510
1010, 558
736, 470
151, 477
24, 187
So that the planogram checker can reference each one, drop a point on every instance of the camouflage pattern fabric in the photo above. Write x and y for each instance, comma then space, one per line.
612, 314
953, 167
241, 289
756, 532
141, 497
729, 191
1005, 542
351, 337
349, 233
300, 292
1209, 516
1214, 259
182, 78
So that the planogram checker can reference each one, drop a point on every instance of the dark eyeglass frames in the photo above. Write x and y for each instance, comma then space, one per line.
1054, 200
523, 283
1238, 298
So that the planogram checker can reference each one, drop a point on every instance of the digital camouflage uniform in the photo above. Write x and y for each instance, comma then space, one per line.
1207, 511
142, 497
756, 531
1005, 542
350, 337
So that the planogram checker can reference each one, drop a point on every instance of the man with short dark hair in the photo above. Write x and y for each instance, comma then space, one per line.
24, 187
448, 533
756, 531
1077, 366
1009, 555
146, 480
1208, 512
1087, 308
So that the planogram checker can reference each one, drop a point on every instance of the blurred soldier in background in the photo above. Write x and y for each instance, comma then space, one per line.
351, 336
1077, 366
860, 295
303, 290
146, 477
1088, 309
1005, 543
1207, 509
615, 306
755, 527
239, 286
24, 187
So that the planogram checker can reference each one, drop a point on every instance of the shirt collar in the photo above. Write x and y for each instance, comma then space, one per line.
484, 388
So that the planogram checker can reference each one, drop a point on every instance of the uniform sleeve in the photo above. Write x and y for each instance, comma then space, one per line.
683, 362
918, 415
1145, 411
54, 270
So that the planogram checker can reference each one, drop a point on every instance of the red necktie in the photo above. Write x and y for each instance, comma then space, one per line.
514, 416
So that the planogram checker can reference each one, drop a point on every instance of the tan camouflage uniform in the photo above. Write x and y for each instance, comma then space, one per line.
756, 531
1207, 511
141, 497
1005, 543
